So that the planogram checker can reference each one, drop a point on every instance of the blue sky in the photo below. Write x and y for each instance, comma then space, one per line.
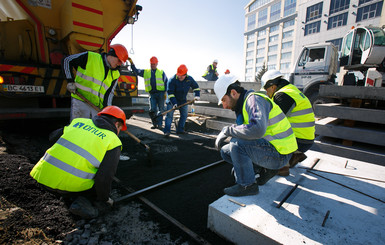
192, 32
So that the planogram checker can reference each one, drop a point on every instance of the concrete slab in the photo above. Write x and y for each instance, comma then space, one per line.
355, 206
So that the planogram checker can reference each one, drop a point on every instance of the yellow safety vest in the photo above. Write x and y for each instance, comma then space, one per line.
301, 117
72, 162
207, 71
158, 79
278, 132
91, 83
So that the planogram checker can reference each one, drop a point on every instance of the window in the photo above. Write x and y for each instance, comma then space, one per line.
251, 22
250, 37
286, 56
289, 7
273, 48
363, 1
257, 3
272, 58
316, 54
275, 11
250, 45
262, 17
314, 12
369, 12
249, 53
285, 65
261, 42
260, 60
273, 38
288, 23
262, 33
249, 70
287, 34
338, 20
274, 28
272, 67
286, 45
337, 43
312, 28
249, 62
338, 5
261, 51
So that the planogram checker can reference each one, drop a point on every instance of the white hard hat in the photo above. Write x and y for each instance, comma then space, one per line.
221, 85
270, 75
215, 61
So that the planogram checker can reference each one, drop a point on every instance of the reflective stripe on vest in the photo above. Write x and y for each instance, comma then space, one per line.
301, 117
278, 132
90, 81
72, 162
158, 79
212, 69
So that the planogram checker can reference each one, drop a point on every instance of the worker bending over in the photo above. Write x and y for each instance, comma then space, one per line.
155, 83
177, 89
262, 140
298, 110
96, 78
81, 165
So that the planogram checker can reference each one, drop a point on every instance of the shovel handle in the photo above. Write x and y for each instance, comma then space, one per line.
179, 106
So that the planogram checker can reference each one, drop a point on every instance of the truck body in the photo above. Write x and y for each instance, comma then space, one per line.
35, 35
361, 62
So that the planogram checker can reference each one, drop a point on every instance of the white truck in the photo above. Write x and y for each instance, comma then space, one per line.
361, 62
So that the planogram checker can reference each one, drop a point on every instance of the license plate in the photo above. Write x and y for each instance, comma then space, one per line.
23, 88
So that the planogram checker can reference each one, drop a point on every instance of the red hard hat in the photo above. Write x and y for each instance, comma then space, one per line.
121, 52
115, 112
153, 60
182, 70
227, 71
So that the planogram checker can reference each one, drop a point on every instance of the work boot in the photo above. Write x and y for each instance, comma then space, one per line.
167, 134
284, 171
82, 207
238, 190
265, 175
296, 158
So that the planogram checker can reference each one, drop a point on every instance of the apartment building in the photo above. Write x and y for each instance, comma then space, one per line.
276, 30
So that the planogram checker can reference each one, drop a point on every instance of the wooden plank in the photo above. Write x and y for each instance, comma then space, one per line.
331, 129
345, 112
352, 92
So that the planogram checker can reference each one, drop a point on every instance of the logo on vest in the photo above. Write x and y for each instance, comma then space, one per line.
90, 129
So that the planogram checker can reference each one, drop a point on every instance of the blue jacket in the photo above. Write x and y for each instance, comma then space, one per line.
177, 90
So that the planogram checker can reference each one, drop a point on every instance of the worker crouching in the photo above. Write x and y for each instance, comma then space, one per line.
81, 165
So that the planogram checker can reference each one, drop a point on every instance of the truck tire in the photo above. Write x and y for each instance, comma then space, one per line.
315, 98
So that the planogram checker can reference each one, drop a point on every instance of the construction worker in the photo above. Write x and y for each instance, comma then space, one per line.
297, 109
83, 161
155, 83
211, 73
262, 139
177, 89
96, 79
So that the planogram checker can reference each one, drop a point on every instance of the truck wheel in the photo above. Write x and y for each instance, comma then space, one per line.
315, 99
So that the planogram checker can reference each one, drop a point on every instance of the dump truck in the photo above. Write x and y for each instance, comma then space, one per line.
35, 35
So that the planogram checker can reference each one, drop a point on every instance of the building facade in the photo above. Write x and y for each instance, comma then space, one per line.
276, 30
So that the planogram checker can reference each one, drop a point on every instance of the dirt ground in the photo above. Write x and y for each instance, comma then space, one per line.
31, 215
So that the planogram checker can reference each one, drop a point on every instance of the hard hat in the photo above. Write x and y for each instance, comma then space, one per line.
221, 85
153, 60
115, 112
215, 61
121, 52
269, 76
227, 71
182, 70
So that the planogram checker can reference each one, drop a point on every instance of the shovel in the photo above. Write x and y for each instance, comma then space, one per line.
154, 116
148, 150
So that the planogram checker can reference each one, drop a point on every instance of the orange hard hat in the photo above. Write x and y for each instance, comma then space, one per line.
227, 71
121, 52
115, 112
153, 60
182, 70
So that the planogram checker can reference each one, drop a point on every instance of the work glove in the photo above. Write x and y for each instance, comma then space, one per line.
174, 106
220, 138
110, 201
196, 98
71, 87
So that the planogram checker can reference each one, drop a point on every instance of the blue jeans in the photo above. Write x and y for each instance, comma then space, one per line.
170, 115
242, 154
157, 104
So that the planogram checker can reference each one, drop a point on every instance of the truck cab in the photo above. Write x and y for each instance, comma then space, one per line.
316, 65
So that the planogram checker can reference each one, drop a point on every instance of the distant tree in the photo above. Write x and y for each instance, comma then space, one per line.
258, 77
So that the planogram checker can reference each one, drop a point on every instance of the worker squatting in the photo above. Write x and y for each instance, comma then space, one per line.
90, 129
